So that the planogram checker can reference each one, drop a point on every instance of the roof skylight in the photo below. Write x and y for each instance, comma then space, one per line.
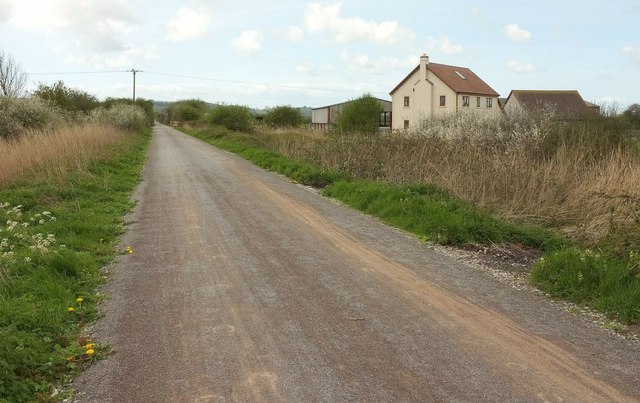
460, 75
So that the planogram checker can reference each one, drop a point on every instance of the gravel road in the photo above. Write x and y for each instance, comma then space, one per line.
245, 287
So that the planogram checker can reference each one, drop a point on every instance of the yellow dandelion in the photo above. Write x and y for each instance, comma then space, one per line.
90, 346
89, 352
71, 309
129, 250
79, 299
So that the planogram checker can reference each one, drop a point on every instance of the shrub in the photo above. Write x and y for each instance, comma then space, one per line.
360, 115
66, 98
233, 117
284, 116
188, 110
22, 114
126, 117
145, 104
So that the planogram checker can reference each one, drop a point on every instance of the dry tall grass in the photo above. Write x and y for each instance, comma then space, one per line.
54, 151
589, 189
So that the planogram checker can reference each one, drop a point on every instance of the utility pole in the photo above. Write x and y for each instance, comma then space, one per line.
134, 71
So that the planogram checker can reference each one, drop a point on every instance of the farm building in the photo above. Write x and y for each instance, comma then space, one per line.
432, 89
563, 105
323, 118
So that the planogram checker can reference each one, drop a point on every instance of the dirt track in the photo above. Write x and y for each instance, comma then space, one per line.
245, 287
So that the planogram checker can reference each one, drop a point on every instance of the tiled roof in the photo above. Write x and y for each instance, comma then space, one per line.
459, 79
566, 105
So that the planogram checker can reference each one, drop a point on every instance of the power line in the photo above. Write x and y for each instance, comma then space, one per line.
290, 86
55, 73
222, 80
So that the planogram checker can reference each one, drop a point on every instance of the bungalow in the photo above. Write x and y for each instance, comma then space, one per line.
561, 105
433, 89
324, 117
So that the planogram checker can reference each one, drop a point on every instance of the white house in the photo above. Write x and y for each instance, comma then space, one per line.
433, 89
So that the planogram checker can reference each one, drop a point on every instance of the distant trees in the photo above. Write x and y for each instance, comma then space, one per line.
186, 110
284, 116
12, 79
361, 115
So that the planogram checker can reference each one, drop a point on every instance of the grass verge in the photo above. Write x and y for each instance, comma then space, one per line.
605, 280
59, 232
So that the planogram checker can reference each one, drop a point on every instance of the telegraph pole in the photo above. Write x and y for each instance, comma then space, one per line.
134, 71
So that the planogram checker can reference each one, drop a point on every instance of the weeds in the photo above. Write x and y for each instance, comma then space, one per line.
55, 236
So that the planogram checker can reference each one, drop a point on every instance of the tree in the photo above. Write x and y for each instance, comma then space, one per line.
361, 115
12, 78
66, 98
233, 117
633, 114
284, 116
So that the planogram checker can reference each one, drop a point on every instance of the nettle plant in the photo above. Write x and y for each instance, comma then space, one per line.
19, 235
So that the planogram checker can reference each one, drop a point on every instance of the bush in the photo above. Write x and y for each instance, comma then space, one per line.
67, 99
284, 116
145, 104
360, 115
20, 115
188, 110
126, 117
233, 117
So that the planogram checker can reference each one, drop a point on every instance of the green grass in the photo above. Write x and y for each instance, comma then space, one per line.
603, 281
248, 147
80, 217
434, 214
606, 281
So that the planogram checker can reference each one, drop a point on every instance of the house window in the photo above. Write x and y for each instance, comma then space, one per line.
489, 102
406, 124
443, 100
478, 102
465, 100
406, 101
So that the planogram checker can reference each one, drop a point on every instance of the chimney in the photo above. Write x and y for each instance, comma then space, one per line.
424, 62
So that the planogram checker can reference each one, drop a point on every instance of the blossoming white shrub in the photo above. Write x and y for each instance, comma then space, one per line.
125, 117
18, 115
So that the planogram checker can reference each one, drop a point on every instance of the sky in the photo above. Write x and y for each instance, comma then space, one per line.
316, 53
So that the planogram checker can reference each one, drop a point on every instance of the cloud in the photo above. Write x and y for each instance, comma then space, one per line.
362, 63
92, 25
5, 10
517, 34
327, 19
633, 51
294, 34
187, 24
520, 67
126, 58
248, 43
310, 69
444, 45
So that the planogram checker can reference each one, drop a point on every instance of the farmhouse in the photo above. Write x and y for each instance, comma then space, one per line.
433, 89
561, 105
